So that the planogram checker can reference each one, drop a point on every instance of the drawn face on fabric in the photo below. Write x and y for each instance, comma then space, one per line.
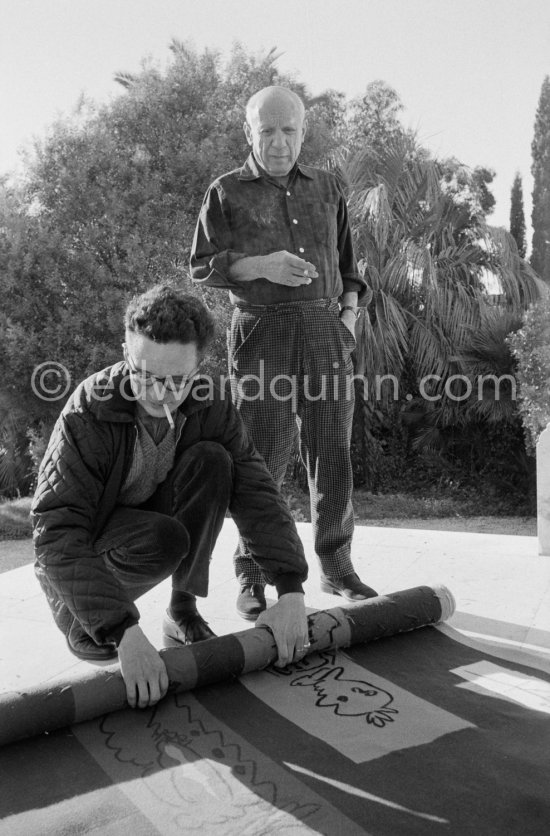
275, 128
348, 697
199, 776
160, 373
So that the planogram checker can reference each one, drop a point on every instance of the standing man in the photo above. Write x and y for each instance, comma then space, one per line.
142, 465
275, 233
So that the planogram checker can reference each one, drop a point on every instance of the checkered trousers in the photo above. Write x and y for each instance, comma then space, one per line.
291, 370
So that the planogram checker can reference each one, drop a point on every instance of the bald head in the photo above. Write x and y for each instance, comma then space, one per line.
275, 128
274, 98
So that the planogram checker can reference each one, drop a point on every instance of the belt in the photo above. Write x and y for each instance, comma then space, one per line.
306, 303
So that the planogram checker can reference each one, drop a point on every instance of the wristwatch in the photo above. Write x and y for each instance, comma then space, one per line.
349, 308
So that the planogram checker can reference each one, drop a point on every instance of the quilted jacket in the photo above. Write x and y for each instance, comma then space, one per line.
80, 478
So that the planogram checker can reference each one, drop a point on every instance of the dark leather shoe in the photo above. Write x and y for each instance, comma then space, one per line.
251, 601
187, 629
83, 646
350, 587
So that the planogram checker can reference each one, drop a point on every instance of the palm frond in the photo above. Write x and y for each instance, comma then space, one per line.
126, 80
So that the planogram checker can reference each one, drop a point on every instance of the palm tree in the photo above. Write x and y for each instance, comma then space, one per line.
428, 255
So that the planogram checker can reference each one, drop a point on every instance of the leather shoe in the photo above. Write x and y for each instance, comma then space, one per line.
251, 601
186, 629
84, 647
350, 587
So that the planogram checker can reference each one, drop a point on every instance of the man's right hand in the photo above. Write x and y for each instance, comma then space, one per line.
281, 267
142, 668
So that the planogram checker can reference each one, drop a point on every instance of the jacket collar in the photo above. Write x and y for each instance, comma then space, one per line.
251, 170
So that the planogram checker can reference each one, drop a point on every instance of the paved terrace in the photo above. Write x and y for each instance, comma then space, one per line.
501, 586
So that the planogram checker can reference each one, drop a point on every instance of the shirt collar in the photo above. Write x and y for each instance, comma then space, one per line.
252, 171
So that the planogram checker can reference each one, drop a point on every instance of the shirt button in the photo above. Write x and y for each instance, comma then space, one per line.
294, 221
301, 250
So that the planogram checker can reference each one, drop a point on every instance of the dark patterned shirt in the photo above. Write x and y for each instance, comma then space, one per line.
247, 213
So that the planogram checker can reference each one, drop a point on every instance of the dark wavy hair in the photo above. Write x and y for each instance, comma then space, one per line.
165, 314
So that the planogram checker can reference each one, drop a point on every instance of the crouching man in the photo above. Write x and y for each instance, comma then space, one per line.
142, 465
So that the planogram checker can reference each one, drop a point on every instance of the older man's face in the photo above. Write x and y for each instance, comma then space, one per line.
276, 131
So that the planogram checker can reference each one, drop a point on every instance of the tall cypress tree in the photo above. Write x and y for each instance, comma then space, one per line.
517, 216
540, 148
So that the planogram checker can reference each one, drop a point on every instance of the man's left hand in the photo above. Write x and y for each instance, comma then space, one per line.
349, 319
288, 622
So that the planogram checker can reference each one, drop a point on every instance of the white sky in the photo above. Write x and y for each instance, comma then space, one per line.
469, 72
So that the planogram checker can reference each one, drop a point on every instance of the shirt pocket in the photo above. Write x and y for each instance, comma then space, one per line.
322, 219
257, 227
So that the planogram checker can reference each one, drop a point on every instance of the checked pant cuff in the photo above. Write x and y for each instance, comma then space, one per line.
333, 567
248, 572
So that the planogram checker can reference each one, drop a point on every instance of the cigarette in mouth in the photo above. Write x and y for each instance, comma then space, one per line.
168, 415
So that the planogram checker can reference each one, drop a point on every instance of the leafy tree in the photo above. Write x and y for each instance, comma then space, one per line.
540, 149
469, 186
110, 204
373, 119
530, 346
517, 216
482, 178
326, 126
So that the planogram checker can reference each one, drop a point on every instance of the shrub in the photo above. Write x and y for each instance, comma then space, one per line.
530, 347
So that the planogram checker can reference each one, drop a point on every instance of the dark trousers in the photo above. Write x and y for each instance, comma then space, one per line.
174, 532
291, 371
